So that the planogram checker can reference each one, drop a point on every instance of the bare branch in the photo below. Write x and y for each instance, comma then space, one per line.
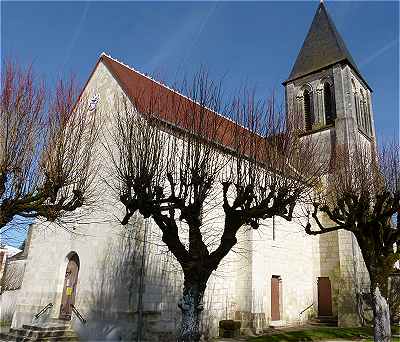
176, 158
46, 148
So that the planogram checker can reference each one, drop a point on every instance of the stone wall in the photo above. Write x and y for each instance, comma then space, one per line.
353, 279
111, 258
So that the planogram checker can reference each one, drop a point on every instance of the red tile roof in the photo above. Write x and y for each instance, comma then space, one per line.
155, 99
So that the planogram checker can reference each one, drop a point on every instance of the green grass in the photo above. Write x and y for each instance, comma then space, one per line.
396, 329
4, 323
317, 335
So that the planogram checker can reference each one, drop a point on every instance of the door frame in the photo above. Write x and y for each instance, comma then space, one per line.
68, 295
326, 303
278, 280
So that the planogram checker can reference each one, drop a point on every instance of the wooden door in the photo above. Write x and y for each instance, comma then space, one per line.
275, 298
69, 290
324, 297
2, 257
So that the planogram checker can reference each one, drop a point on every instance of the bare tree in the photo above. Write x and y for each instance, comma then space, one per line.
46, 148
363, 197
178, 159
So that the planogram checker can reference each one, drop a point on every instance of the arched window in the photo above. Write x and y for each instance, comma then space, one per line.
329, 104
363, 111
369, 117
357, 109
355, 96
365, 116
308, 109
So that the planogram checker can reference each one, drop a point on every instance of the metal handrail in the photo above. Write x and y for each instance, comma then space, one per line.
41, 312
78, 314
306, 309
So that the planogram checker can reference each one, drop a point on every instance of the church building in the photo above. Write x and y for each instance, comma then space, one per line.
105, 278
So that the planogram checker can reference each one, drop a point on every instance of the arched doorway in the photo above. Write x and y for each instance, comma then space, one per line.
69, 289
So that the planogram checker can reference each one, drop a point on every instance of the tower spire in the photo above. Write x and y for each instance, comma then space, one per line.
322, 47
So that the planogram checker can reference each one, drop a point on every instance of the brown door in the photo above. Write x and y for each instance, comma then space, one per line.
324, 297
275, 298
68, 296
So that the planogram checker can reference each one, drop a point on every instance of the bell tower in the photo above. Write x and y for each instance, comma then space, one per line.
328, 98
325, 91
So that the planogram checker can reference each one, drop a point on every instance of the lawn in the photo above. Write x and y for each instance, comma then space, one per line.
317, 335
396, 330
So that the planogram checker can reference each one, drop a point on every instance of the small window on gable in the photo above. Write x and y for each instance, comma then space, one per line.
308, 109
329, 104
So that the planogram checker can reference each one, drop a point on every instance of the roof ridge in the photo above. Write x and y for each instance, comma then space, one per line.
171, 89
137, 71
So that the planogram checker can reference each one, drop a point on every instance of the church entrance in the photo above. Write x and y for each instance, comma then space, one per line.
275, 298
324, 297
69, 289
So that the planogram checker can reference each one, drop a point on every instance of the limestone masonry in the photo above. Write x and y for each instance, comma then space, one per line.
284, 277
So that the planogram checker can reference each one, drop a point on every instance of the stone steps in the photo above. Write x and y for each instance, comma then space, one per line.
327, 321
41, 332
16, 338
277, 324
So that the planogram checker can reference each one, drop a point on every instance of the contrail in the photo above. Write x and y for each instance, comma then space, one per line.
379, 52
196, 38
76, 34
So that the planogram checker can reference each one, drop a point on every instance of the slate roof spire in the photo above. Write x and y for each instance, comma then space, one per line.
322, 47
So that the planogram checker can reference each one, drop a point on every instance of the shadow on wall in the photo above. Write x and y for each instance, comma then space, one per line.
8, 303
10, 285
351, 296
113, 303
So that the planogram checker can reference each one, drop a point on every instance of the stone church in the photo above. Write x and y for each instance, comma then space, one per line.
106, 278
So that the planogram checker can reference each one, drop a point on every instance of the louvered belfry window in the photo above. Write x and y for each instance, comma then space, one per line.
308, 112
328, 104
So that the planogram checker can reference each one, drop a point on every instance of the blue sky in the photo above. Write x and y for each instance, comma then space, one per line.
252, 43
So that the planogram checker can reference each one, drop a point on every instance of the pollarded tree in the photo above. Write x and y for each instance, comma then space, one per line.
363, 197
177, 159
46, 149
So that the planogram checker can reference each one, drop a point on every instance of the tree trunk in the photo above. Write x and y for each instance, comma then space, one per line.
191, 306
380, 308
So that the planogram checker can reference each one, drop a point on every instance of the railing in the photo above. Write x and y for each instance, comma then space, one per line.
78, 314
301, 312
41, 312
308, 307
